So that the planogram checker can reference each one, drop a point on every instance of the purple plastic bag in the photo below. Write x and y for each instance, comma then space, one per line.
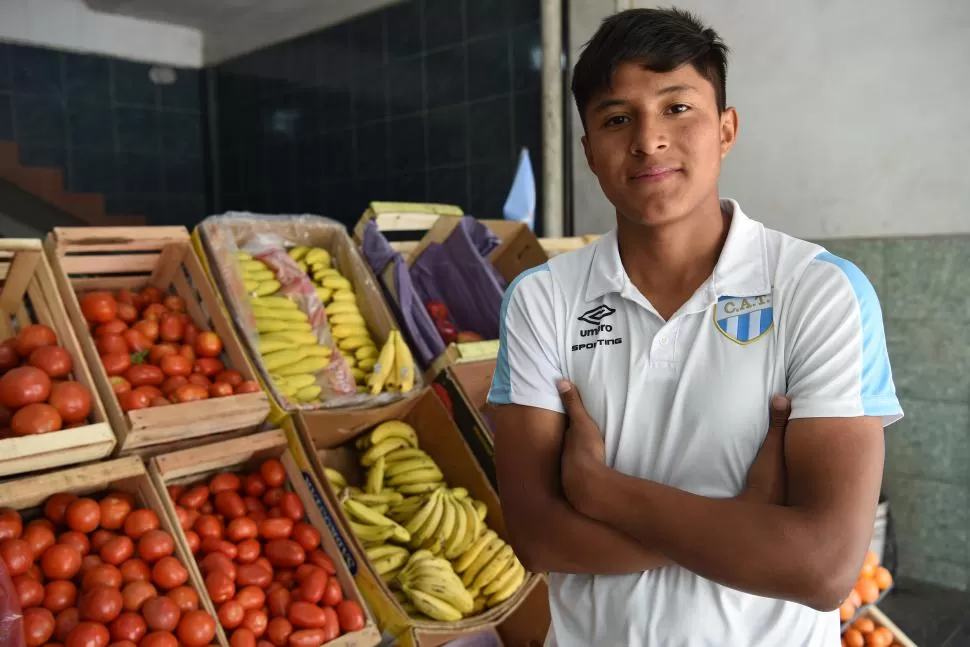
455, 273
417, 327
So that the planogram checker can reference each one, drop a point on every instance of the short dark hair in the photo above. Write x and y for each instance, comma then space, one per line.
660, 39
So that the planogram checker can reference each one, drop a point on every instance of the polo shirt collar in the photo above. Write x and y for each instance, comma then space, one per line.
741, 270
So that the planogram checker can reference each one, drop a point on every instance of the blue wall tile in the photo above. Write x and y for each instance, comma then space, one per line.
405, 86
132, 85
4, 67
486, 16
367, 40
39, 119
443, 23
140, 173
183, 175
408, 187
488, 67
184, 94
90, 126
525, 11
372, 156
138, 129
445, 72
526, 57
181, 133
93, 171
87, 78
489, 185
449, 186
47, 156
491, 137
370, 94
36, 70
6, 117
448, 136
403, 29
406, 145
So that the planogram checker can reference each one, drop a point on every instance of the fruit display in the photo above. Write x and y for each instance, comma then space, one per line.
89, 572
429, 542
152, 351
874, 581
391, 368
261, 560
446, 327
290, 351
868, 632
37, 393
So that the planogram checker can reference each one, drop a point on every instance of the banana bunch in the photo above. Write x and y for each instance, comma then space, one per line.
450, 565
258, 277
347, 325
394, 369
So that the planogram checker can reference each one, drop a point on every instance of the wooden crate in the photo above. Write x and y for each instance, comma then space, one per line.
29, 295
433, 223
124, 475
111, 258
200, 463
328, 442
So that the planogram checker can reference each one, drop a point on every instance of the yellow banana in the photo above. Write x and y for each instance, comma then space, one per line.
243, 256
458, 538
324, 295
389, 562
297, 253
472, 553
359, 376
447, 525
422, 516
371, 533
367, 514
250, 286
481, 560
510, 587
336, 478
281, 358
290, 336
400, 467
347, 318
353, 343
308, 393
317, 255
266, 288
383, 367
422, 475
418, 488
404, 363
407, 454
270, 325
316, 350
251, 265
305, 365
343, 331
494, 567
336, 283
394, 429
375, 477
262, 275
381, 449
267, 346
503, 578
274, 302
389, 497
367, 365
432, 606
300, 381
279, 313
480, 508
344, 296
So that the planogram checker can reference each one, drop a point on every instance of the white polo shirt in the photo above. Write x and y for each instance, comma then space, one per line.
685, 402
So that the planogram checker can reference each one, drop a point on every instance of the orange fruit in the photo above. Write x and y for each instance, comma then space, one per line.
864, 625
868, 591
875, 639
886, 634
855, 598
868, 570
853, 638
883, 578
872, 559
846, 611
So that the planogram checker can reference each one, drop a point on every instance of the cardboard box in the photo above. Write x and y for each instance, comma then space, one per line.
28, 295
328, 443
123, 475
111, 258
200, 463
464, 388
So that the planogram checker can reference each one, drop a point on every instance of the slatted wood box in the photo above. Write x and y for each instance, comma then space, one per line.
201, 463
112, 258
128, 475
29, 295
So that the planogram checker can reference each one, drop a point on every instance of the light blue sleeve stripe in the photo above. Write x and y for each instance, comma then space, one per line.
501, 391
878, 391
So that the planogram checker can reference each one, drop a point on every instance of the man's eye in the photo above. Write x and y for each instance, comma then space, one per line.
678, 108
617, 120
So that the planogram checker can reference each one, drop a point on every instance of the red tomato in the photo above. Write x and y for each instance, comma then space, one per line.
437, 310
251, 597
193, 540
291, 506
171, 327
196, 629
61, 562
159, 639
273, 473
255, 620
148, 328
190, 333
241, 529
168, 573
185, 598
154, 545
200, 380
306, 615
11, 524
133, 400
220, 586
208, 366
191, 393
127, 312
332, 628
313, 585
275, 528
111, 344
22, 386
128, 626
77, 539
39, 536
145, 374
248, 386
243, 637
53, 360
230, 376
284, 553
333, 594
188, 352
194, 497
278, 631
99, 307
161, 613
100, 604
220, 390
8, 355
278, 602
135, 594
136, 340
247, 551
305, 535
159, 351
113, 327
171, 384
83, 515
231, 614
33, 337
135, 570
218, 562
116, 363
131, 298
208, 526
88, 634
254, 575
174, 303
72, 401
37, 418
139, 522
56, 506
38, 627
307, 638
225, 481
213, 545
151, 294
29, 591
229, 504
59, 595
208, 344
176, 365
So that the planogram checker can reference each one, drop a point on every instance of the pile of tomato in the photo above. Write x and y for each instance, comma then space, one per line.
261, 561
89, 573
37, 394
154, 353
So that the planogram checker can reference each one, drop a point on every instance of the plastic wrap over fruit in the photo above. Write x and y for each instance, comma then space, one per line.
416, 325
455, 273
11, 616
268, 240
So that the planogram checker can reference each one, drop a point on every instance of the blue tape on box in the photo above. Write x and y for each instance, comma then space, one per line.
345, 553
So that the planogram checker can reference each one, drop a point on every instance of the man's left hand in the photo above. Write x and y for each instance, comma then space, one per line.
583, 448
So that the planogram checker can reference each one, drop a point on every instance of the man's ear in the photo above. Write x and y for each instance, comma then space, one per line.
589, 153
729, 130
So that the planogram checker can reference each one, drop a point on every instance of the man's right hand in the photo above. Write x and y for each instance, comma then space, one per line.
767, 479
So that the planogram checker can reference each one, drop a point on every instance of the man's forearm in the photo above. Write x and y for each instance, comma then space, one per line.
560, 539
763, 549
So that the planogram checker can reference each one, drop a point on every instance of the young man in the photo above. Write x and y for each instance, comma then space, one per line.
634, 377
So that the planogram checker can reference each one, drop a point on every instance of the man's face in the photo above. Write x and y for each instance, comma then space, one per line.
655, 141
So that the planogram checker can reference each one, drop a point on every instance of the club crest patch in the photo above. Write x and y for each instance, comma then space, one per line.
744, 320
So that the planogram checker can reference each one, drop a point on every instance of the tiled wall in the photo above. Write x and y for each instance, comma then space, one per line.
109, 128
424, 100
924, 288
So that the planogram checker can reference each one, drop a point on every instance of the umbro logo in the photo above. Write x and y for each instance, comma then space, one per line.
596, 315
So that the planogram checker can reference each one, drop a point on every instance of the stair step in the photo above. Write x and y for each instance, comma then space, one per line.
46, 183
126, 220
9, 156
89, 207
